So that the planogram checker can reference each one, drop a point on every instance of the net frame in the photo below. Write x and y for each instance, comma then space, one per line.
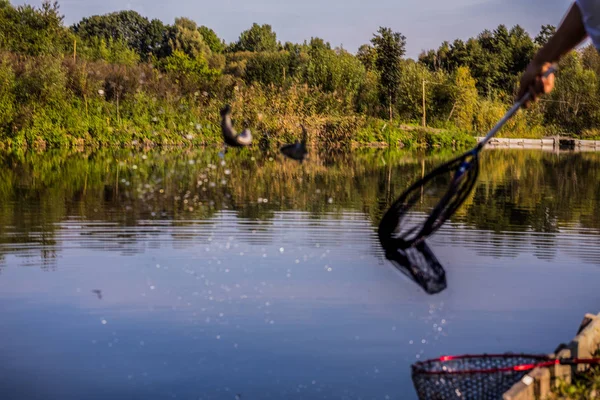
465, 171
478, 376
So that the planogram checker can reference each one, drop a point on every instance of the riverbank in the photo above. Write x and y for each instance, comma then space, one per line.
339, 132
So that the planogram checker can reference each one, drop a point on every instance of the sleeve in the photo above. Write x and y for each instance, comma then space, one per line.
590, 11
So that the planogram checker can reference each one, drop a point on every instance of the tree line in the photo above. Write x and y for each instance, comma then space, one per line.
121, 77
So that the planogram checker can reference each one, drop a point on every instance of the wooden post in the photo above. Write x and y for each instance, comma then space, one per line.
424, 123
74, 50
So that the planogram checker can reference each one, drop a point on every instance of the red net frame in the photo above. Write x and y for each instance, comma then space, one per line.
476, 377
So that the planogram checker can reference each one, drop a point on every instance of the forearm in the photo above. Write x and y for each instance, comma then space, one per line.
569, 34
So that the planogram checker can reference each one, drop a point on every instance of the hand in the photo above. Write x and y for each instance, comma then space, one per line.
533, 82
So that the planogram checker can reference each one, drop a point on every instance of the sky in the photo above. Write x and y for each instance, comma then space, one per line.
346, 23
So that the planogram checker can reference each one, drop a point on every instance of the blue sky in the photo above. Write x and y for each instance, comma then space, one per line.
341, 22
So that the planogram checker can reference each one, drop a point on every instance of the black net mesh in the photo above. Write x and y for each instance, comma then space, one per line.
463, 378
449, 184
420, 264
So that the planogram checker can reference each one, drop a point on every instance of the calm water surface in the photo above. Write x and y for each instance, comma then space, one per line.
191, 275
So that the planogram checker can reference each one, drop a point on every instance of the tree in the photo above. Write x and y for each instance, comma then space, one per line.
465, 99
210, 37
33, 31
257, 38
591, 59
389, 49
144, 36
545, 34
575, 105
185, 37
367, 55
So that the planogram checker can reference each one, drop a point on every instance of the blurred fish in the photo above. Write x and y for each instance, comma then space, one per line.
230, 136
296, 151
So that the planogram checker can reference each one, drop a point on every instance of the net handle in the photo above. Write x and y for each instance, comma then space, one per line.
545, 361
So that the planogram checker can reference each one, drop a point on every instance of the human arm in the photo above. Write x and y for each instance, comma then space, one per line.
569, 34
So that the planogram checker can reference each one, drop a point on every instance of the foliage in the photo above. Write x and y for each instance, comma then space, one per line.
211, 39
7, 97
185, 37
585, 385
113, 51
389, 49
257, 38
32, 31
143, 36
465, 99
121, 78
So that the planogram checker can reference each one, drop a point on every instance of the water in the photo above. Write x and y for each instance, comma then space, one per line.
193, 275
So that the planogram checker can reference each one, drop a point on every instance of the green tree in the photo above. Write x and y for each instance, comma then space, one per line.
333, 70
33, 31
210, 37
7, 96
367, 56
465, 99
389, 49
185, 37
545, 34
113, 51
575, 106
257, 38
144, 36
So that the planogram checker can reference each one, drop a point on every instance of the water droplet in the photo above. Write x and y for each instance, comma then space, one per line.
104, 322
281, 249
157, 265
218, 337
152, 287
330, 200
423, 341
410, 342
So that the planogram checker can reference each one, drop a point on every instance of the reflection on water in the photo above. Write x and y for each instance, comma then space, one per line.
186, 274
